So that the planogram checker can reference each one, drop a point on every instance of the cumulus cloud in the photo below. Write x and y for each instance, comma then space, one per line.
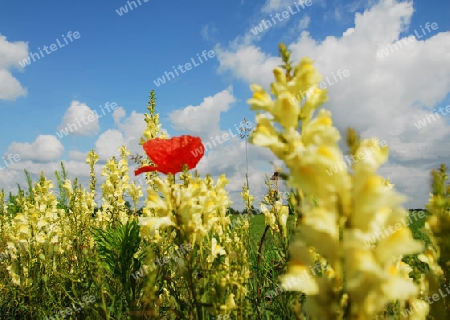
203, 120
385, 96
108, 143
248, 63
79, 119
133, 126
10, 88
10, 55
118, 114
45, 148
77, 155
128, 133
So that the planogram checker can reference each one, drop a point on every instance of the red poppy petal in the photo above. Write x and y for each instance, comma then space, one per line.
144, 169
170, 155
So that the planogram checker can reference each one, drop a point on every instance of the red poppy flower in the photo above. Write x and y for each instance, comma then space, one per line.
170, 155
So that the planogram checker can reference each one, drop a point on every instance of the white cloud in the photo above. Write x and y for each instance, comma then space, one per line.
10, 55
209, 32
45, 148
129, 132
80, 169
381, 95
77, 155
203, 120
133, 126
108, 143
248, 63
304, 23
234, 167
348, 32
276, 5
10, 88
118, 114
79, 119
11, 52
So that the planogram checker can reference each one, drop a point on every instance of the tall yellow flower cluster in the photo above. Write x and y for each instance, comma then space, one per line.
80, 206
348, 209
151, 118
437, 255
195, 211
247, 197
114, 190
195, 206
35, 234
152, 131
277, 214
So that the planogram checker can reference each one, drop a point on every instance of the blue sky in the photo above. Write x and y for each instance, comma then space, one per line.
117, 58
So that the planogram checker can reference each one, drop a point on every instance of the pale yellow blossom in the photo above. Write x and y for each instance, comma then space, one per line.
216, 250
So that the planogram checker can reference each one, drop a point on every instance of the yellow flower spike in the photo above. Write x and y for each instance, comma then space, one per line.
397, 244
286, 111
326, 121
265, 135
269, 216
154, 200
305, 65
222, 182
330, 273
162, 186
371, 155
372, 186
392, 270
261, 100
361, 203
258, 96
280, 75
299, 278
306, 75
314, 99
326, 152
153, 223
307, 170
283, 215
216, 250
230, 304
388, 185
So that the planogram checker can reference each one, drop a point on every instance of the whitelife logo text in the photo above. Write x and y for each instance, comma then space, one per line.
266, 24
187, 66
398, 44
12, 158
90, 118
225, 136
423, 122
35, 56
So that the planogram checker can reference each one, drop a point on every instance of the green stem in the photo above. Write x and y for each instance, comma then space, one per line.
258, 298
194, 295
